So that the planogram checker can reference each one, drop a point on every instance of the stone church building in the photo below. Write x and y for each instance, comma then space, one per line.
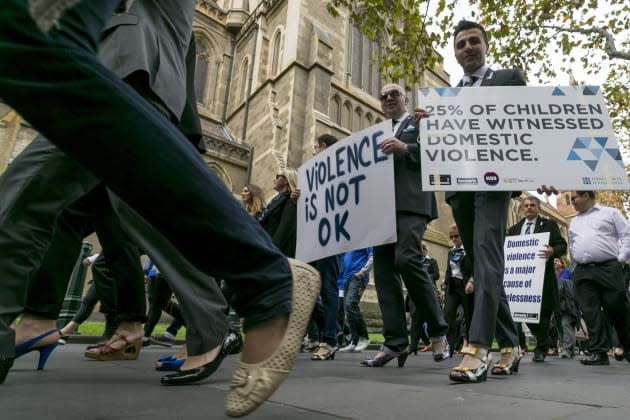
272, 75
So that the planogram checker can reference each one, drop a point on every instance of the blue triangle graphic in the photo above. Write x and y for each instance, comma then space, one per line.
425, 91
591, 164
614, 153
573, 156
590, 90
557, 92
597, 152
602, 141
440, 91
582, 142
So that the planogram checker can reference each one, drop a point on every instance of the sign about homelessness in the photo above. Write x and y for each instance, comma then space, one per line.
524, 275
347, 196
518, 138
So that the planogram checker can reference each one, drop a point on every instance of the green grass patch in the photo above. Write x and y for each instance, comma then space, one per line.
97, 328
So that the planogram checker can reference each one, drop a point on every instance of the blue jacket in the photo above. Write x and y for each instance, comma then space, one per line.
353, 262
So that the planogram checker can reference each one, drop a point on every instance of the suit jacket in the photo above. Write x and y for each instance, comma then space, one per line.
453, 284
152, 36
505, 77
408, 177
559, 245
279, 219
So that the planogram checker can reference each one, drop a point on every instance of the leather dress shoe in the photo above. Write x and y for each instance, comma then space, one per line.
596, 359
539, 356
184, 377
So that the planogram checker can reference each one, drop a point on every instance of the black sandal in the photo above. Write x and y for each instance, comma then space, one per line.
510, 368
466, 375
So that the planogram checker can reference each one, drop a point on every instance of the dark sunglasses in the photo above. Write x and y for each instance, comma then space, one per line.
280, 176
390, 94
453, 237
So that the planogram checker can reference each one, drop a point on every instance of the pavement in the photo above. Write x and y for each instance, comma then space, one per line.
73, 387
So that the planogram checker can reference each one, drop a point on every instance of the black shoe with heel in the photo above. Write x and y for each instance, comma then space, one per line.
324, 352
467, 375
184, 377
509, 368
385, 356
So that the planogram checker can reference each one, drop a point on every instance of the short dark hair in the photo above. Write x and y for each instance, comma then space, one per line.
532, 198
591, 194
327, 139
464, 25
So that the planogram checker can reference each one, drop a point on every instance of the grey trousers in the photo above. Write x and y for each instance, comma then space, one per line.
481, 218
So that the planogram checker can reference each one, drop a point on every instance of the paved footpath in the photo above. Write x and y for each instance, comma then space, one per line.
72, 387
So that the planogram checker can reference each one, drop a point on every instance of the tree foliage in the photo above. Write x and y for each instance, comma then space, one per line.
544, 38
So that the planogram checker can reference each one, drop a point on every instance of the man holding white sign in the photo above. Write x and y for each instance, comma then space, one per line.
403, 259
556, 248
481, 218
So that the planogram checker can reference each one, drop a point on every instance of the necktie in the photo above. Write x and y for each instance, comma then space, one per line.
528, 230
470, 81
394, 122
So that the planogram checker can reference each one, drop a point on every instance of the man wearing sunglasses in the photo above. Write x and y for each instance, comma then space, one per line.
403, 260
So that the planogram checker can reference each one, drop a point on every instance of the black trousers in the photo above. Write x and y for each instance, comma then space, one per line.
402, 261
142, 157
159, 294
603, 286
456, 297
118, 267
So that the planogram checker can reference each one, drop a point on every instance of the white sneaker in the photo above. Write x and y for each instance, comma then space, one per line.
362, 344
348, 349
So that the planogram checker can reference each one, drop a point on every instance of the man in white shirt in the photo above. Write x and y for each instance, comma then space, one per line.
599, 241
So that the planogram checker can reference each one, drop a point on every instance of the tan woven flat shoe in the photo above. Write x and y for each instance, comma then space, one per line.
253, 384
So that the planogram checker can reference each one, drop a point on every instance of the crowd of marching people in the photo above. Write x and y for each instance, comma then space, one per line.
139, 109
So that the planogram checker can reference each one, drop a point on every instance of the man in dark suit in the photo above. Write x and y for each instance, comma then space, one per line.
403, 260
556, 248
481, 218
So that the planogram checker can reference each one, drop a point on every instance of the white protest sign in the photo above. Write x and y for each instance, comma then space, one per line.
347, 198
524, 275
518, 138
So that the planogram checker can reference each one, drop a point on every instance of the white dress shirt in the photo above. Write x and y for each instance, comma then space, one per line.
598, 235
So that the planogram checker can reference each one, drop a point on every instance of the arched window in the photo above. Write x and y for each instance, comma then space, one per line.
276, 53
335, 110
369, 120
346, 115
201, 69
358, 119
363, 61
243, 77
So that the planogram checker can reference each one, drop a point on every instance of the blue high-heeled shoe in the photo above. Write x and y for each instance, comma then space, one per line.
44, 351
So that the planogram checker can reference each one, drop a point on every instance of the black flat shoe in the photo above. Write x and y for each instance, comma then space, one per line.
184, 377
5, 366
596, 359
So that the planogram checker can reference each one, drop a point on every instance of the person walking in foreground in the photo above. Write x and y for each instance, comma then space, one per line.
143, 158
